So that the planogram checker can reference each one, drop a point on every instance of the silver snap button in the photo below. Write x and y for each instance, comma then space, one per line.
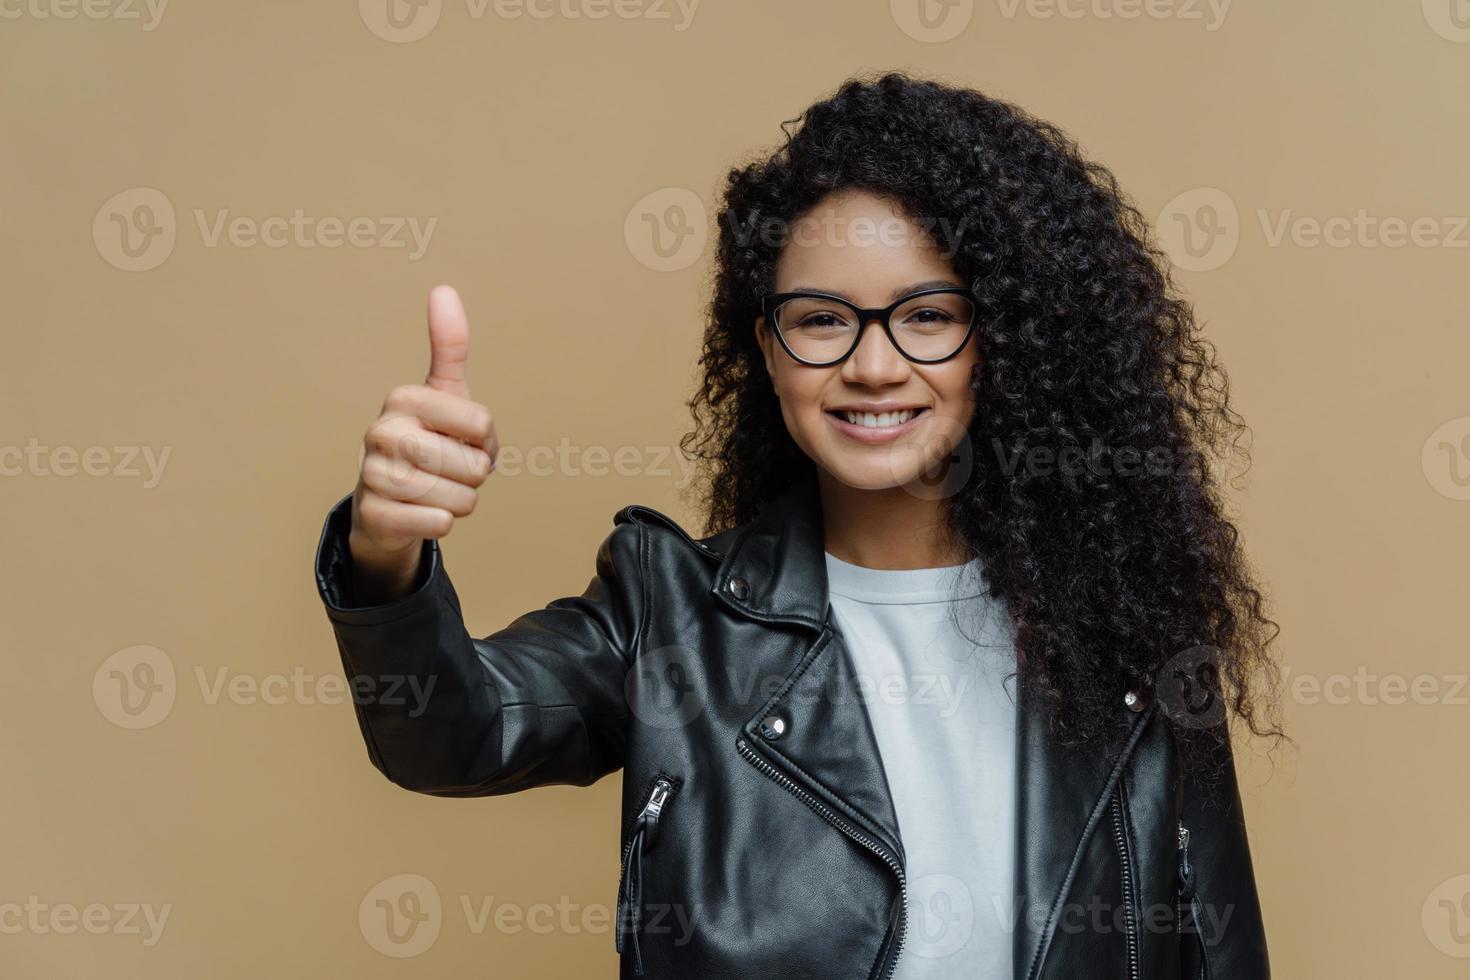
773, 726
739, 588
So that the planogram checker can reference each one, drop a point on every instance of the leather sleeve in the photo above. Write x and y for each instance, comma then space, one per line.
1224, 933
538, 702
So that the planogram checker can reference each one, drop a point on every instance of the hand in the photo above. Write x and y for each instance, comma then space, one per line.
425, 455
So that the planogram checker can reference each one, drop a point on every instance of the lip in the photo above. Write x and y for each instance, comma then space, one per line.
877, 408
867, 436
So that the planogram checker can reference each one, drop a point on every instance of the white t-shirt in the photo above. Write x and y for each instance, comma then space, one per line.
944, 715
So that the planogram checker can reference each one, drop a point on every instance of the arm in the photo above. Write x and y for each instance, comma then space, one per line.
538, 702
1223, 935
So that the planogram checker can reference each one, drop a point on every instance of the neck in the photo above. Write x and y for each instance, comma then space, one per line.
890, 529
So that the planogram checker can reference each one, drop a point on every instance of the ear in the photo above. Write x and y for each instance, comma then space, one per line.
764, 340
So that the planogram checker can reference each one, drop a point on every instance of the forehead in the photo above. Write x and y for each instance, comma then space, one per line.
858, 244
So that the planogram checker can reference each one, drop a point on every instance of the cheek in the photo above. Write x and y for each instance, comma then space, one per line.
955, 387
800, 392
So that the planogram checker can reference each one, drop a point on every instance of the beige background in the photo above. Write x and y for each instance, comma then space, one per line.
534, 144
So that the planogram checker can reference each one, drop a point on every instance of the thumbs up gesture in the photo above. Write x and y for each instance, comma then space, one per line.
425, 455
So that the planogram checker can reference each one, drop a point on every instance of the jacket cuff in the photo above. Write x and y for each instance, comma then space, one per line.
333, 566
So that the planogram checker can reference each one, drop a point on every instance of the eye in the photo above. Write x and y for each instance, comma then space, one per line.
812, 313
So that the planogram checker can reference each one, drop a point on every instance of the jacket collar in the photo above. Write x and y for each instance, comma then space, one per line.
775, 571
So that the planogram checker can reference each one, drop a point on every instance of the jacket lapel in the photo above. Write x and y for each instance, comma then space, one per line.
1062, 793
775, 572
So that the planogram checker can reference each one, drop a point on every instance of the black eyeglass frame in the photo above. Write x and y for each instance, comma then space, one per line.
770, 302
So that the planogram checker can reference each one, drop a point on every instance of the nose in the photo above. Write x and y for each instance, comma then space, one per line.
876, 361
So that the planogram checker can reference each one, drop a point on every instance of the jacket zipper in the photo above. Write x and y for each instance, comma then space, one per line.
1184, 875
826, 814
1119, 835
630, 887
1197, 963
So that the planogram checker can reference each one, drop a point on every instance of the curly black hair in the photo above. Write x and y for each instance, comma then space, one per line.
1119, 573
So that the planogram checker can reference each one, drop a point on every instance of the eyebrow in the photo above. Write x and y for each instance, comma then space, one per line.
898, 293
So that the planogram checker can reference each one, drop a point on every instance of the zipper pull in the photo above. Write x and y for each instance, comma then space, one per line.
1186, 873
645, 831
653, 809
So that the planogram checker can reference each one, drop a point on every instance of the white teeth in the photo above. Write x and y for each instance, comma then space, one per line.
881, 420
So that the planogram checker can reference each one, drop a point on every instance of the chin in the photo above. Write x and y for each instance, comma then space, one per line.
880, 471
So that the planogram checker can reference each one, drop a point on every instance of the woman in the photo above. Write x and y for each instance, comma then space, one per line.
945, 688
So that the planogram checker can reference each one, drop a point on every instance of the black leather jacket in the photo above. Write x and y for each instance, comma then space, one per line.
759, 838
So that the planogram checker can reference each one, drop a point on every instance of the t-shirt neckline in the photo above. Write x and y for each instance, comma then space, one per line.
903, 586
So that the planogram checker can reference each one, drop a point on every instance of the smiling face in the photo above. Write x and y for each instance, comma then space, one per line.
877, 420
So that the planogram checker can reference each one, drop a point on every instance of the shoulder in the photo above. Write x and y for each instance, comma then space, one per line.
666, 537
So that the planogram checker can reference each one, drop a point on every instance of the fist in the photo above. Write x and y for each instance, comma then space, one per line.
424, 458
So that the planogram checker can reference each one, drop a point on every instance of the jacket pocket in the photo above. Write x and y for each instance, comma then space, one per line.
642, 835
1194, 965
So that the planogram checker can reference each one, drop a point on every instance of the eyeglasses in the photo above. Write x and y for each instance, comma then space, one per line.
926, 327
